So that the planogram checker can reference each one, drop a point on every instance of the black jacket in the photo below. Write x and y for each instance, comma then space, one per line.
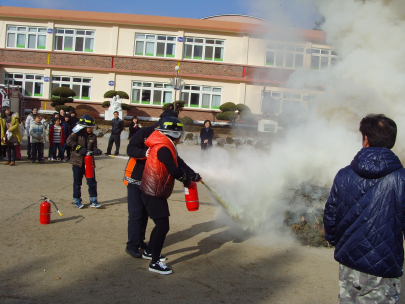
204, 134
137, 149
117, 126
72, 122
133, 129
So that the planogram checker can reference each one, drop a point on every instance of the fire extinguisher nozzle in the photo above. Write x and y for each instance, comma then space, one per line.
60, 213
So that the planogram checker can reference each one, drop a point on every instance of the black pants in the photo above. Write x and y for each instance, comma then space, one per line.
117, 140
37, 148
137, 218
3, 151
157, 238
78, 174
29, 146
11, 152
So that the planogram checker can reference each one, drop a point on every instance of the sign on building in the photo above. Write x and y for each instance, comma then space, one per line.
111, 83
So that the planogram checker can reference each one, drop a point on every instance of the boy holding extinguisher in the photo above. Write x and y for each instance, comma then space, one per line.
82, 141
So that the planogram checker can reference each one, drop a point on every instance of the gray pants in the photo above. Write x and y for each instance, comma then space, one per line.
356, 287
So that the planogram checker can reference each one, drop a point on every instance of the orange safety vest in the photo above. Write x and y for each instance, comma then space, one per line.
156, 181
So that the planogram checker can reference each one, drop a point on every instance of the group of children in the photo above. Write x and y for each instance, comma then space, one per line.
60, 127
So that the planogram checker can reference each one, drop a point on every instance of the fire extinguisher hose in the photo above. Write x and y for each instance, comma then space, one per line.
229, 211
48, 200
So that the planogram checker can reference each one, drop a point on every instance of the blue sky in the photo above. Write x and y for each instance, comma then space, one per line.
282, 12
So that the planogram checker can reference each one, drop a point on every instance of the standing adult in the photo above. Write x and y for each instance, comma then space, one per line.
117, 127
66, 129
364, 217
28, 122
133, 127
10, 135
206, 135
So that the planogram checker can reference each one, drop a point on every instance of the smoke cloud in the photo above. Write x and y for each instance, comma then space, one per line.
368, 78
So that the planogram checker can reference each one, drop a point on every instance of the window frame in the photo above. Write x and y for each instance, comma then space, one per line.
332, 56
204, 45
201, 92
27, 33
71, 83
75, 36
37, 78
283, 98
275, 48
152, 88
155, 41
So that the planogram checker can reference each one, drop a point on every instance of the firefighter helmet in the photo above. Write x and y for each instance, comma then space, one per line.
171, 126
87, 121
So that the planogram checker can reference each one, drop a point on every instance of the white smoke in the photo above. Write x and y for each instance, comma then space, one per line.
369, 78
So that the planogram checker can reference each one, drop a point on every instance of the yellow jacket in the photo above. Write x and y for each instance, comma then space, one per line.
15, 131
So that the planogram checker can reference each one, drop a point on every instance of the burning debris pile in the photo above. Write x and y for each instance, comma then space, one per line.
305, 215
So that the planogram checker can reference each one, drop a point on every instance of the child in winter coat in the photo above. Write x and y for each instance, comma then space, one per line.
82, 140
37, 133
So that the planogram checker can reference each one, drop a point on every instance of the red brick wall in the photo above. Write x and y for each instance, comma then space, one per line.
80, 60
17, 56
95, 109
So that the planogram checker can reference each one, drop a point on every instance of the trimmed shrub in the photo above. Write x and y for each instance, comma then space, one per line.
64, 108
186, 120
124, 106
106, 104
242, 107
63, 95
112, 93
228, 106
227, 116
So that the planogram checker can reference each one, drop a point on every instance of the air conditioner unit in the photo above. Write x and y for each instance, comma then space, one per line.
267, 126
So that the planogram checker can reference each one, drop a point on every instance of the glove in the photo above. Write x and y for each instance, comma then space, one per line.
196, 178
97, 152
82, 151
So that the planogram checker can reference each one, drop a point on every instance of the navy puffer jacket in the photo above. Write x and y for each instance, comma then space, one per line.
364, 215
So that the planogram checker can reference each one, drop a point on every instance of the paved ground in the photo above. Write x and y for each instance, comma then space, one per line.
80, 258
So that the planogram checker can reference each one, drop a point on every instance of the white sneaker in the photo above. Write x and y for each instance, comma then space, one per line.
160, 267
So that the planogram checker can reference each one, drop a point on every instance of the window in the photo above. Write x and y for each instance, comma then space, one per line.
284, 56
155, 45
204, 49
26, 37
151, 93
201, 97
32, 85
323, 59
81, 86
74, 40
276, 102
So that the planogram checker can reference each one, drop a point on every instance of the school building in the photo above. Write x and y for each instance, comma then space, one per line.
222, 58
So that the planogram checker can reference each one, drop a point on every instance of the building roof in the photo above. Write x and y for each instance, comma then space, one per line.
238, 18
159, 21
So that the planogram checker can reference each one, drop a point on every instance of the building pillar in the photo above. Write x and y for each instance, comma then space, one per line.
3, 33
49, 37
242, 93
114, 40
180, 45
245, 49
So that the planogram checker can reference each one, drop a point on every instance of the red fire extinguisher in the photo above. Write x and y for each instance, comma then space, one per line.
45, 211
191, 193
89, 165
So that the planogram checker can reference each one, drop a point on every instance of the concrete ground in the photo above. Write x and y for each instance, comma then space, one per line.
80, 257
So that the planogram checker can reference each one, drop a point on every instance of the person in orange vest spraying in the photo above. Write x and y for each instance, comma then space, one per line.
162, 167
137, 215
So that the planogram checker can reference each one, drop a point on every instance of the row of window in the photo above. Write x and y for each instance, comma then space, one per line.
275, 102
143, 92
74, 40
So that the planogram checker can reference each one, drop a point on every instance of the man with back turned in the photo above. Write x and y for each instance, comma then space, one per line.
364, 217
